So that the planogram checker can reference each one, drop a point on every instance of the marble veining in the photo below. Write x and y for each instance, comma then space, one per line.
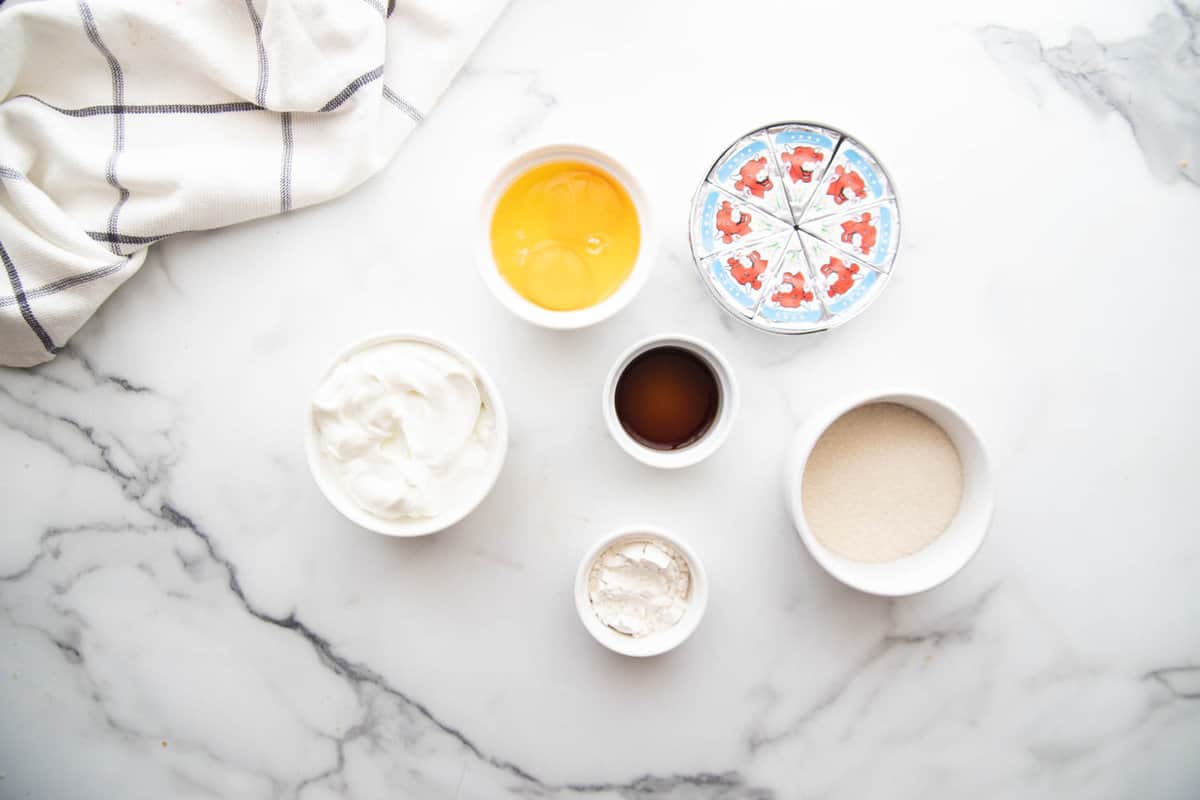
182, 615
183, 563
1150, 80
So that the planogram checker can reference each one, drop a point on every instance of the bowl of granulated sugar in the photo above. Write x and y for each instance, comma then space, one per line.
890, 492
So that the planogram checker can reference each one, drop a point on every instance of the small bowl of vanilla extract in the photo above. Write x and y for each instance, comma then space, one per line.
670, 400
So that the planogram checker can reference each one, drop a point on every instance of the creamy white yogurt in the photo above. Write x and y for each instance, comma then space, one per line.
406, 429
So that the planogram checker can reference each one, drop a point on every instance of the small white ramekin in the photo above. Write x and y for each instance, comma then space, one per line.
946, 555
330, 485
529, 311
717, 433
656, 643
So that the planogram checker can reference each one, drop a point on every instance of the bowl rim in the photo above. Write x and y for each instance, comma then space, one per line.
511, 168
423, 526
657, 643
712, 439
979, 485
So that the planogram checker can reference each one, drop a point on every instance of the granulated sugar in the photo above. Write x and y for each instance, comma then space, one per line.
882, 482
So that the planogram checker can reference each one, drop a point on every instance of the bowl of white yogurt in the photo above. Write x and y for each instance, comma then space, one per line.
405, 434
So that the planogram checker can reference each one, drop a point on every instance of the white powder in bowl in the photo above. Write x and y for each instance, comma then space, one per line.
882, 482
639, 586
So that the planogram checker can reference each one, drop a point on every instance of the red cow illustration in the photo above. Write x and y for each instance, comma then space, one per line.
752, 274
797, 294
728, 227
865, 230
797, 160
845, 275
749, 181
846, 182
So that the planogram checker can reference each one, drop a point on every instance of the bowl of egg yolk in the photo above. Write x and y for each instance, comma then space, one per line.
568, 240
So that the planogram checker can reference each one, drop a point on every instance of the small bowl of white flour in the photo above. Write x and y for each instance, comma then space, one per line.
641, 591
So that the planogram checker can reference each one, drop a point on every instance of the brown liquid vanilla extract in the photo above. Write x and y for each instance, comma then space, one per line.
667, 398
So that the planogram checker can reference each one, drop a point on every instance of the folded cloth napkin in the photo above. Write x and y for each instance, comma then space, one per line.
125, 121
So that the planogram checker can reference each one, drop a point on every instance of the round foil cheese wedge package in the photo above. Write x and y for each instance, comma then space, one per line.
795, 228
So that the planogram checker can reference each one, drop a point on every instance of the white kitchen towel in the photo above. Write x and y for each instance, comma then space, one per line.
125, 121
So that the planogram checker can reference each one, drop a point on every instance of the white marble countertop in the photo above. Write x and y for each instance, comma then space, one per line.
182, 615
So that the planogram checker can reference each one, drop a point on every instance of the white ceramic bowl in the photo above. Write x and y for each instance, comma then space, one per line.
931, 565
330, 485
717, 433
529, 311
655, 643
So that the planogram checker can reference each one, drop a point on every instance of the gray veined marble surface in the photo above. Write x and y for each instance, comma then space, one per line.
182, 615
1149, 79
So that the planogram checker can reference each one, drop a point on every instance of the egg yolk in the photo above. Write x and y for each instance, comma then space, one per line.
565, 235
